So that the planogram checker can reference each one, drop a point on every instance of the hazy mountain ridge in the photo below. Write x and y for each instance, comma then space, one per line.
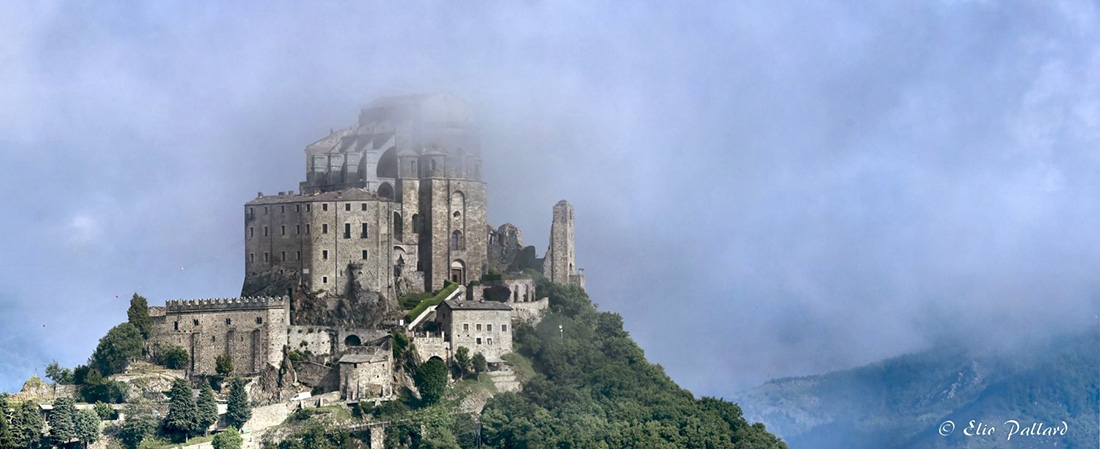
901, 402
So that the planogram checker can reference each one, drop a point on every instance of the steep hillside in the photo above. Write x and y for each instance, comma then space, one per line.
902, 402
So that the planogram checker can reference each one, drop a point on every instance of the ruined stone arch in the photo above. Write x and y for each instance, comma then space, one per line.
387, 164
385, 191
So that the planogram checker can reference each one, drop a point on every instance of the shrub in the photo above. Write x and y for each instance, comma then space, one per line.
173, 357
228, 439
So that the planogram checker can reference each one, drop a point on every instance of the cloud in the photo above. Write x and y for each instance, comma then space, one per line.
783, 189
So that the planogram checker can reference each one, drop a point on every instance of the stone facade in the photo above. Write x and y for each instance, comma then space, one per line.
251, 331
367, 375
320, 236
480, 326
399, 196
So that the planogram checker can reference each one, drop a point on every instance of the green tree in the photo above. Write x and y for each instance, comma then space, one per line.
116, 349
223, 365
228, 439
431, 379
238, 410
86, 427
207, 407
7, 438
480, 364
138, 315
60, 375
173, 357
104, 411
139, 424
183, 415
27, 424
63, 422
400, 344
462, 360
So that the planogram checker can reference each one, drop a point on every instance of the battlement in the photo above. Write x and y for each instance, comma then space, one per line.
226, 304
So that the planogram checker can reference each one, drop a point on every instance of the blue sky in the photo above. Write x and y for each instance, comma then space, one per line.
761, 189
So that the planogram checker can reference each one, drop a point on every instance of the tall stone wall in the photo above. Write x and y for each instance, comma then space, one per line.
251, 331
318, 236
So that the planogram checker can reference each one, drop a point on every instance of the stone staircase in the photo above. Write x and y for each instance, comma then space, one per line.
504, 380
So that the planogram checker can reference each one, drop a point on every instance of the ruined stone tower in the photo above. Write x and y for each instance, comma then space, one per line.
560, 265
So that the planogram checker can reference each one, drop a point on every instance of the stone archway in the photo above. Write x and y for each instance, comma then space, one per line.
458, 272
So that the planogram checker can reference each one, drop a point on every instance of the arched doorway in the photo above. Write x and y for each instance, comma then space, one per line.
352, 340
458, 272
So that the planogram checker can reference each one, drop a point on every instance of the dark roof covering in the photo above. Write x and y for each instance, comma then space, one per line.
352, 194
455, 304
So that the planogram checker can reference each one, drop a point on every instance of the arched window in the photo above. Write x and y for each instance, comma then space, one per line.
416, 224
457, 241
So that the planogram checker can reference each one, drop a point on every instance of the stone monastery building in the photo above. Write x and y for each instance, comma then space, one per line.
392, 205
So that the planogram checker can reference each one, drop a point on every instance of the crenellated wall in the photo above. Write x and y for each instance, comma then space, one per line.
251, 331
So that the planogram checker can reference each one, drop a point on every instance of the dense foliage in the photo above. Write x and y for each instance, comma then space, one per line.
183, 418
223, 365
238, 410
228, 439
172, 357
62, 422
138, 315
86, 427
121, 345
431, 379
596, 389
207, 407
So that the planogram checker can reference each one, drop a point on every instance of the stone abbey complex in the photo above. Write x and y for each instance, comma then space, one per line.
391, 208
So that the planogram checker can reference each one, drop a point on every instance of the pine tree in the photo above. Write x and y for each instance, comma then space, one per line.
238, 410
7, 438
27, 425
86, 426
207, 407
62, 425
183, 414
138, 315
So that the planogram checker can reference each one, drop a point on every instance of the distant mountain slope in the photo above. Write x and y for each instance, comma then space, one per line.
901, 402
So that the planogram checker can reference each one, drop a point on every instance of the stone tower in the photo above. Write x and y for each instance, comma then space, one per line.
560, 262
395, 203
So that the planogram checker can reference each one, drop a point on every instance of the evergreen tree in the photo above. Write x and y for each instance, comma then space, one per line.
116, 349
183, 414
238, 410
431, 379
462, 360
62, 422
27, 426
7, 438
207, 407
228, 439
223, 365
138, 315
86, 427
139, 424
480, 364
